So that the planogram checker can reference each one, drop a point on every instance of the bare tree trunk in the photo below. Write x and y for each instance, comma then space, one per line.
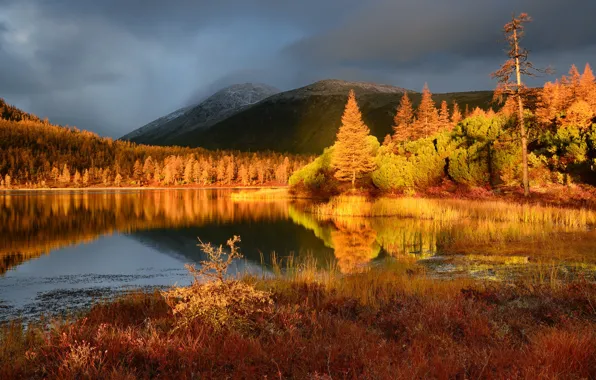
520, 118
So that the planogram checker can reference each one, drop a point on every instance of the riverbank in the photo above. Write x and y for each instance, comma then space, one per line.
384, 323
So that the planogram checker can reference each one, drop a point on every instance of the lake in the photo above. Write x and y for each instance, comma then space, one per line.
62, 250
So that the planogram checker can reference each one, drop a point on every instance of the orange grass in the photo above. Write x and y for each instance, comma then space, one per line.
383, 323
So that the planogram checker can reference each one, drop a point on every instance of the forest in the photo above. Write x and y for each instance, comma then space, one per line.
37, 154
441, 148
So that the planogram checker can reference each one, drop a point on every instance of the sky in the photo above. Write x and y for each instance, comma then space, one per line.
111, 66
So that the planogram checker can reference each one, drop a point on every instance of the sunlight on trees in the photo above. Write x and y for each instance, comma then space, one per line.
353, 155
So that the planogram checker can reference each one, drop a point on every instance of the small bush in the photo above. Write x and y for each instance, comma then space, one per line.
394, 173
221, 302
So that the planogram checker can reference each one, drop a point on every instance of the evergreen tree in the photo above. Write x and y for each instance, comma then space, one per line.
65, 177
230, 173
55, 174
587, 87
77, 178
427, 116
137, 170
243, 175
403, 120
105, 177
148, 168
188, 170
456, 116
573, 83
196, 172
352, 155
444, 115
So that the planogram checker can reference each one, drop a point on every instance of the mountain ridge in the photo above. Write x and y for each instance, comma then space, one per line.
216, 107
301, 120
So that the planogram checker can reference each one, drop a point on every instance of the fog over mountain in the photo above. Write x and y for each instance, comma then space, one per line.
111, 66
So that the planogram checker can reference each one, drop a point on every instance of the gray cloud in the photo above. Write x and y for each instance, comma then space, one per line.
113, 65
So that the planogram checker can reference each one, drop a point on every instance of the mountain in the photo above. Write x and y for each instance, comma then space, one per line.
306, 120
200, 117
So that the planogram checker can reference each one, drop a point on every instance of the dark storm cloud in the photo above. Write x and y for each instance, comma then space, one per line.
113, 65
399, 34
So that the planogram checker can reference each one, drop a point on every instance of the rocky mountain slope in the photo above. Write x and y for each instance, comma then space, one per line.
201, 116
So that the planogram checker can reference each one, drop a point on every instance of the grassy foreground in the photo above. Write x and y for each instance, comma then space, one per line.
394, 322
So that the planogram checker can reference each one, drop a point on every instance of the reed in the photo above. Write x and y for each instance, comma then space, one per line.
261, 194
452, 210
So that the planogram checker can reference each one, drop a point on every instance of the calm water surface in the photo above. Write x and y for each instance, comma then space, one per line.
60, 251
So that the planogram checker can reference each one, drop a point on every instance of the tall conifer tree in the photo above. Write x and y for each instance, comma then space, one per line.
427, 115
352, 155
444, 115
587, 87
456, 115
403, 120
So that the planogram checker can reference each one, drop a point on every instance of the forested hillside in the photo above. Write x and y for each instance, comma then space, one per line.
306, 120
34, 153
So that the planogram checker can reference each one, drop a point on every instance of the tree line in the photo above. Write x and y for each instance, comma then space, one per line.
34, 153
432, 144
541, 136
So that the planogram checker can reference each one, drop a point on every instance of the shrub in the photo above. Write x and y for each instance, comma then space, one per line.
428, 166
394, 173
313, 175
220, 302
469, 166
486, 153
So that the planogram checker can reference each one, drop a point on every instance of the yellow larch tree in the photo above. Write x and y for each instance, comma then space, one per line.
353, 154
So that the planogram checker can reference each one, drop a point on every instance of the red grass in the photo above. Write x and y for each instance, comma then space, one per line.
479, 332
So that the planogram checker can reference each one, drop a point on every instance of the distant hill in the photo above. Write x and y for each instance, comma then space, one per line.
12, 113
306, 120
201, 116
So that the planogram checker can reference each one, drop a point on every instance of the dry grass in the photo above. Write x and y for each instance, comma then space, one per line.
455, 210
388, 323
261, 194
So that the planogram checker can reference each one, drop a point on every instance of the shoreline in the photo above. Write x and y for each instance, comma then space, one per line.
554, 196
138, 188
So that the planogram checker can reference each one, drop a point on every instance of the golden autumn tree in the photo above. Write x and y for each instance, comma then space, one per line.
137, 170
580, 115
456, 115
118, 180
196, 172
353, 155
427, 116
572, 82
551, 101
65, 177
77, 178
403, 120
354, 246
587, 87
444, 116
510, 83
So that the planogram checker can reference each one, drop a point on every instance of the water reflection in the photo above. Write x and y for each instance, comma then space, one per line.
169, 221
486, 249
35, 224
